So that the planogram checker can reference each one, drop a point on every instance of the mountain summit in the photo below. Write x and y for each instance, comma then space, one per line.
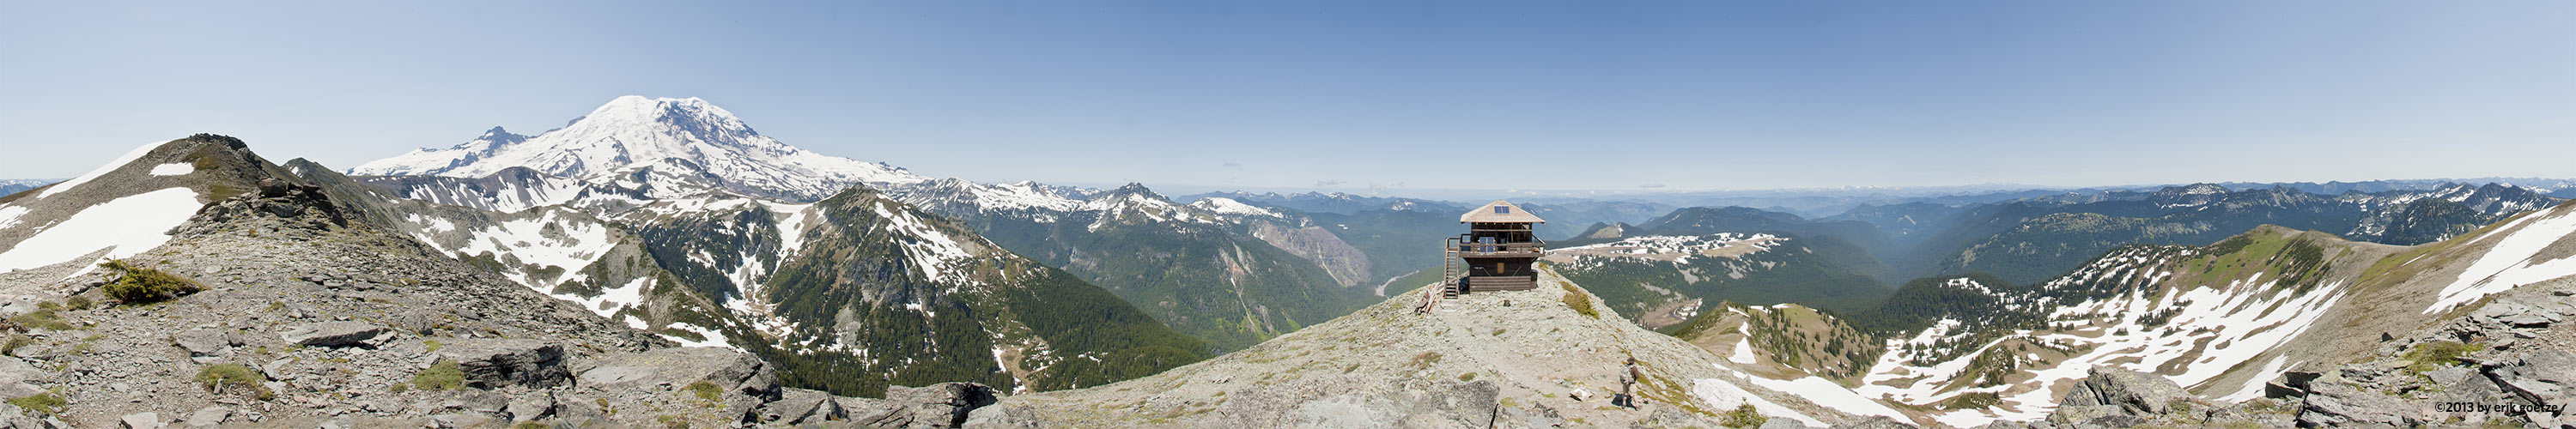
665, 146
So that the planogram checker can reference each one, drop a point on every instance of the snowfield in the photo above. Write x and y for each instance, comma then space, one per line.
127, 226
2508, 263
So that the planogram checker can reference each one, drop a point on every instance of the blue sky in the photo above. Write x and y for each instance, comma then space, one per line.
1346, 95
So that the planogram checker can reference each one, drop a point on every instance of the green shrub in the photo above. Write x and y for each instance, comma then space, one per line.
2435, 355
45, 403
1581, 304
443, 375
705, 390
15, 341
42, 319
79, 303
136, 285
1743, 417
227, 376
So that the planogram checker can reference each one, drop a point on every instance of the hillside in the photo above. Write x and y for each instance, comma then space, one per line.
273, 304
2219, 320
1662, 280
1539, 358
2032, 240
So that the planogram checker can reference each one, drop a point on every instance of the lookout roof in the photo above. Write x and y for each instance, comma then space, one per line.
1499, 211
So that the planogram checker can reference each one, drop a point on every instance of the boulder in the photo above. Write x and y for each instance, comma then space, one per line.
332, 334
998, 416
943, 405
2134, 392
2542, 377
202, 341
17, 378
2341, 405
209, 417
800, 406
144, 420
743, 381
494, 363
579, 412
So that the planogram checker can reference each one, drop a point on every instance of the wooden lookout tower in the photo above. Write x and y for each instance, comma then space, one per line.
1498, 250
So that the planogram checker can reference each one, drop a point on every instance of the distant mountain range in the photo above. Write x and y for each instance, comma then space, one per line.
679, 262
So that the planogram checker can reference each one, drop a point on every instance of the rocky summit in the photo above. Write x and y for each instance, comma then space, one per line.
1541, 358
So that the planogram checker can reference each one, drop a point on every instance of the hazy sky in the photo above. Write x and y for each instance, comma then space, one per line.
1544, 95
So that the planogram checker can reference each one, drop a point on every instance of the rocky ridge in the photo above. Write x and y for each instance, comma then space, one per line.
309, 319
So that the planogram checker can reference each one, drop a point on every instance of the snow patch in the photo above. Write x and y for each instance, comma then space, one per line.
129, 226
2508, 262
173, 169
1723, 395
1825, 392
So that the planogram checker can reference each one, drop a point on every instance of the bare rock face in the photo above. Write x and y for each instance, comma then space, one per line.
333, 334
2341, 405
2547, 379
735, 384
801, 406
491, 363
943, 405
2134, 392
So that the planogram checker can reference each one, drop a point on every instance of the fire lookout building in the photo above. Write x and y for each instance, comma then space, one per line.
1498, 250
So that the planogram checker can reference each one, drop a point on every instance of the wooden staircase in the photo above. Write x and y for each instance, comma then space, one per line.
1450, 278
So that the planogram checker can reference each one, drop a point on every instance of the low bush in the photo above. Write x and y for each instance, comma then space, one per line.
2430, 356
223, 377
705, 390
44, 403
137, 285
42, 319
1574, 299
1743, 417
443, 375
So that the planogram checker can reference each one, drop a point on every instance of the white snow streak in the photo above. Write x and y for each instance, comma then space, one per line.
102, 170
173, 169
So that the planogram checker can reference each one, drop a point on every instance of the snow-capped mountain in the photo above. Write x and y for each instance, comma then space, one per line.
731, 215
666, 147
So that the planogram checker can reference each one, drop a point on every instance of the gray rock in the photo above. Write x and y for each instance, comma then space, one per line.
2546, 377
2340, 405
333, 334
17, 378
999, 416
144, 420
531, 407
2134, 392
578, 411
2525, 320
209, 417
494, 363
202, 341
1780, 423
800, 406
1873, 422
944, 405
2069, 415
745, 381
